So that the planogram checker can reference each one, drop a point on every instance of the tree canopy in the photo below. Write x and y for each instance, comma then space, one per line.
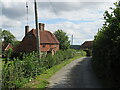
0, 33
8, 37
63, 39
106, 48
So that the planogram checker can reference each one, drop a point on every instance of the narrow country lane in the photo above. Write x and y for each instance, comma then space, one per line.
77, 74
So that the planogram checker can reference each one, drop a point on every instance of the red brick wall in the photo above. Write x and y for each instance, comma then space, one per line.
48, 46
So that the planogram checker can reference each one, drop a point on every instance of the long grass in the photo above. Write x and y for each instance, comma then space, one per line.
0, 71
0, 63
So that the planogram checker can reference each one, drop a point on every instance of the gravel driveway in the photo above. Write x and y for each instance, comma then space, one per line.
77, 74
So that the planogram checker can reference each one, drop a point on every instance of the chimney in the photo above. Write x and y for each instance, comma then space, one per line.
41, 26
26, 29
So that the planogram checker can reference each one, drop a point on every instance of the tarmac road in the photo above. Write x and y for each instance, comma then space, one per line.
77, 74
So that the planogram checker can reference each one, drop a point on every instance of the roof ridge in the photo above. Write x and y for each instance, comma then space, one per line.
50, 38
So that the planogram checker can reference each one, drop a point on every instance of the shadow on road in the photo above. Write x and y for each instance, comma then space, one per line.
83, 76
80, 75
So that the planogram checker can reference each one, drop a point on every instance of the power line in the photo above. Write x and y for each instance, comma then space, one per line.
54, 10
59, 18
53, 7
72, 40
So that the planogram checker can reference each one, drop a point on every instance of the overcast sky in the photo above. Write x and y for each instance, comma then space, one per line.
79, 18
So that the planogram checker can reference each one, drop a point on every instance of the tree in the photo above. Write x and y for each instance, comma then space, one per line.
0, 33
0, 40
106, 49
16, 43
8, 37
63, 39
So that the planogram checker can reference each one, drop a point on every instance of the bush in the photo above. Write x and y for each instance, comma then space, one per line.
106, 50
17, 72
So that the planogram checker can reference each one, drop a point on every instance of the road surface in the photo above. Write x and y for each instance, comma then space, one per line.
77, 74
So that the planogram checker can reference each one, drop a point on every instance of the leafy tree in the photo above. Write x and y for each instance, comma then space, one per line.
0, 33
63, 39
8, 37
106, 49
16, 43
0, 40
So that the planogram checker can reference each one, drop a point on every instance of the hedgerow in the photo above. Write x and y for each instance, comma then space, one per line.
17, 72
106, 49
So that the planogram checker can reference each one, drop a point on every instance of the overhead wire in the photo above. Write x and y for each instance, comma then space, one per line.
54, 9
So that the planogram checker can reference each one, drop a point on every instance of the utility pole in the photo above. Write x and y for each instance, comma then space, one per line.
37, 30
72, 40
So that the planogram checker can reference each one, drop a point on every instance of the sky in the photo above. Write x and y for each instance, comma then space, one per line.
80, 18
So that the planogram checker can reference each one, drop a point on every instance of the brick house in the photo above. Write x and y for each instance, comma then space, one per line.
6, 47
48, 41
87, 45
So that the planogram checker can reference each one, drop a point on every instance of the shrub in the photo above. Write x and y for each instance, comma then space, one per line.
106, 49
17, 72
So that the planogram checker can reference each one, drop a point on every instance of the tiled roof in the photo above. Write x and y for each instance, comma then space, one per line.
87, 44
45, 36
6, 46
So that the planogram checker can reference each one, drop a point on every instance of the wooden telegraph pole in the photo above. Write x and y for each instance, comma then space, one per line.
37, 30
72, 40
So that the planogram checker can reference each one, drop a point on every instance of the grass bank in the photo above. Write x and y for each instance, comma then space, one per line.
41, 81
0, 70
0, 63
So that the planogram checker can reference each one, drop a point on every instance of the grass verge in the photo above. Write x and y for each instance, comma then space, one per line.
0, 70
41, 81
0, 63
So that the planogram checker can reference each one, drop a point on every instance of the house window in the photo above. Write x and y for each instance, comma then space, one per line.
43, 45
55, 45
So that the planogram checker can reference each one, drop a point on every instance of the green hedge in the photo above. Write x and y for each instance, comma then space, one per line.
18, 72
106, 50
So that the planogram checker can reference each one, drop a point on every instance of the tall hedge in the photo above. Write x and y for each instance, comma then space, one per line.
106, 49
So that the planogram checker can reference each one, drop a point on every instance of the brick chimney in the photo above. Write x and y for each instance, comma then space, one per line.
26, 29
41, 26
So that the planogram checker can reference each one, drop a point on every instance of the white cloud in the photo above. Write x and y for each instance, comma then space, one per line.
81, 31
62, 0
73, 11
10, 23
91, 12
